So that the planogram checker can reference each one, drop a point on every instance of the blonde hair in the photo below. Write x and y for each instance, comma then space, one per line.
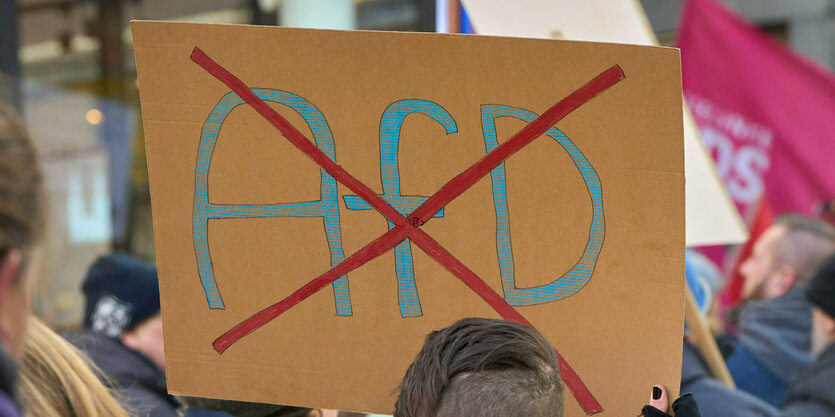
57, 380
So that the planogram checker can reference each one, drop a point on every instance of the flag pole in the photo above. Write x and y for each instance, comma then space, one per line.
704, 340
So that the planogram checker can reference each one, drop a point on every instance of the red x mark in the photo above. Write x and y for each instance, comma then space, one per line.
409, 227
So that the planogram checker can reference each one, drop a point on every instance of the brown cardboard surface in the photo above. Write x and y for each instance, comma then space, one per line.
620, 331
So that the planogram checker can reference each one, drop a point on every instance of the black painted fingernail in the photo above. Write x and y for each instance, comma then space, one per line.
656, 393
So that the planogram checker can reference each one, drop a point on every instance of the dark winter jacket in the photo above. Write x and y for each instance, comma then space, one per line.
714, 398
813, 393
774, 345
8, 380
139, 382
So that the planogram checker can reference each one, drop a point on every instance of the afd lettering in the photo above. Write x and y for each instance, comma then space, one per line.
327, 206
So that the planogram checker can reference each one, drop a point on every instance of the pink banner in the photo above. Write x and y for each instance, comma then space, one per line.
766, 114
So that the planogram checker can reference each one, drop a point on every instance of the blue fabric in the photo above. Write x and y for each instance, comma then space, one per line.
714, 398
8, 383
466, 25
8, 407
695, 283
752, 377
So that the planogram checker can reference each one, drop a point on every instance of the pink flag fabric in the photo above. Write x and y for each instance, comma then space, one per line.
766, 114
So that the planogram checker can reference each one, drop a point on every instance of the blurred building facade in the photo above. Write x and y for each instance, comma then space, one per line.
807, 26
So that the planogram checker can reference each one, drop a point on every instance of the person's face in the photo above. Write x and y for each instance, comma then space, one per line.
146, 338
762, 275
823, 331
17, 280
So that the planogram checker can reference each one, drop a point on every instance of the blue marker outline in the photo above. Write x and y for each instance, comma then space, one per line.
327, 207
390, 125
575, 279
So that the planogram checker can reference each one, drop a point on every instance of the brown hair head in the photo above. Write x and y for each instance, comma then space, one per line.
21, 200
483, 368
805, 244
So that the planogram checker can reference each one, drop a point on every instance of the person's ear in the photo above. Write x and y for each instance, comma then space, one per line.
786, 278
9, 270
829, 325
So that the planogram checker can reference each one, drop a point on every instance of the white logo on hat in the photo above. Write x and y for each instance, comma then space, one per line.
111, 316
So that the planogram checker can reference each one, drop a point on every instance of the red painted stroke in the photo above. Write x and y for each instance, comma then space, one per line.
297, 138
581, 393
528, 134
381, 245
405, 227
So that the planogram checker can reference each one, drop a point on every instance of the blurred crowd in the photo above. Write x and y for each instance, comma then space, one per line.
779, 343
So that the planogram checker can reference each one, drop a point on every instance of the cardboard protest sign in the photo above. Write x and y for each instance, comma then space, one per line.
712, 217
323, 200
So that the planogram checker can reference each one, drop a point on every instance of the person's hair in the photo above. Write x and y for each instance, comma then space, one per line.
483, 368
57, 380
805, 245
21, 199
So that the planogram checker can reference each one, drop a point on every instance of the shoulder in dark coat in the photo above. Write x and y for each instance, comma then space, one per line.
139, 383
813, 393
774, 345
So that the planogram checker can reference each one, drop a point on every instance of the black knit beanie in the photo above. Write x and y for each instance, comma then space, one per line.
821, 290
120, 293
